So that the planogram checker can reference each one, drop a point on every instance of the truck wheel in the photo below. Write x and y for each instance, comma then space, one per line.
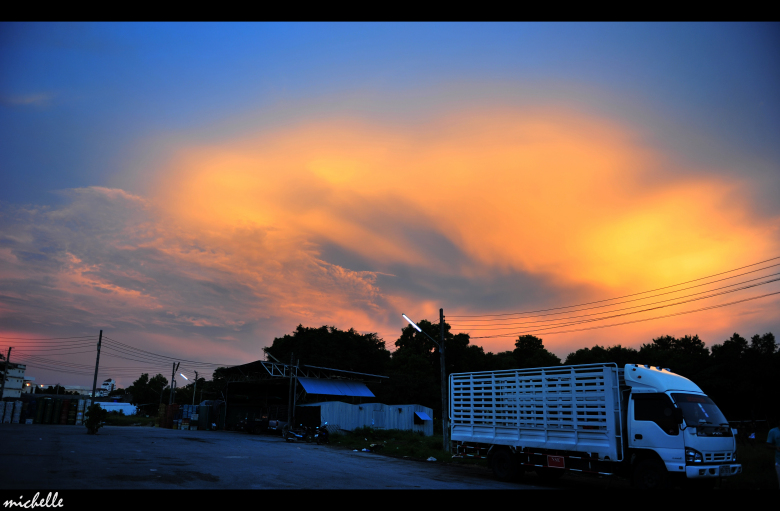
651, 475
504, 465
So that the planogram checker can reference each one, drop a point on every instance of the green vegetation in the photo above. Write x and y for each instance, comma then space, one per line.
148, 392
758, 466
94, 418
393, 442
118, 419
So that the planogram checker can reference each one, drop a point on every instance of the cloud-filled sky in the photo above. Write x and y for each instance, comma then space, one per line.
196, 190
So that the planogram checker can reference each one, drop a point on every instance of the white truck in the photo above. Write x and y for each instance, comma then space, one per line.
642, 422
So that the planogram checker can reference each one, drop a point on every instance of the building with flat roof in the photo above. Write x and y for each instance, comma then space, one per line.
14, 379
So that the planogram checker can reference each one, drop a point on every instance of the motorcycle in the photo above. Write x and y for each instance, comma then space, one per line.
295, 433
321, 434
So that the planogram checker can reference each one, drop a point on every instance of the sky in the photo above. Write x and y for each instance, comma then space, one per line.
196, 190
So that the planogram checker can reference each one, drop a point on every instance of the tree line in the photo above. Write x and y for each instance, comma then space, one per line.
741, 376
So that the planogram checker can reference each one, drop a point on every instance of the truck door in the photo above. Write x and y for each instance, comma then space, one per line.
653, 425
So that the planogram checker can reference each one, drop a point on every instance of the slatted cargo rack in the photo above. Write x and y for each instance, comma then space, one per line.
569, 408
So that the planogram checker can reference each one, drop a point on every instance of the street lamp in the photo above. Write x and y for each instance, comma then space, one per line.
440, 344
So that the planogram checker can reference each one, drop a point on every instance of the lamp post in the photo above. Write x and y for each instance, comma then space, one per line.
440, 344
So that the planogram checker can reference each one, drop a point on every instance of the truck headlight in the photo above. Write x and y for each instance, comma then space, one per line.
693, 456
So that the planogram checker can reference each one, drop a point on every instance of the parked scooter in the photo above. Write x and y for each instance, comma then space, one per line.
321, 434
297, 433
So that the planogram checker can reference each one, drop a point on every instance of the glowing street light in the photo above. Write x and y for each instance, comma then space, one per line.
184, 377
444, 410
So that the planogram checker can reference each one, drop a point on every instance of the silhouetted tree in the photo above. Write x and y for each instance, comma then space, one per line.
686, 356
598, 355
328, 346
148, 391
530, 352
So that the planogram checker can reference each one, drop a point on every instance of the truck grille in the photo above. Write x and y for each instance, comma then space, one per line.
715, 457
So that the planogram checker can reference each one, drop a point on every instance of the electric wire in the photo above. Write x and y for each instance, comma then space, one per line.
634, 321
630, 295
513, 325
469, 322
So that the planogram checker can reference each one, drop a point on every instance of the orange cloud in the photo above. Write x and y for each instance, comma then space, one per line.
544, 192
478, 212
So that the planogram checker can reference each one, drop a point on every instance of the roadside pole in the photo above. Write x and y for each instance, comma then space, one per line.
173, 382
289, 393
97, 364
444, 389
195, 388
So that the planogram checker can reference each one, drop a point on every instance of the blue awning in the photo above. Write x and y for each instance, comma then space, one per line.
423, 416
335, 387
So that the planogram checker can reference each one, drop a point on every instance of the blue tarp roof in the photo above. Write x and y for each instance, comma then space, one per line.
423, 416
335, 387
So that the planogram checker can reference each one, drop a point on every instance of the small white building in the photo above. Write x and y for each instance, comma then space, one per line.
348, 417
14, 380
108, 386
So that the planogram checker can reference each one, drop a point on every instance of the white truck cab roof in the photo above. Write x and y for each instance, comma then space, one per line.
655, 379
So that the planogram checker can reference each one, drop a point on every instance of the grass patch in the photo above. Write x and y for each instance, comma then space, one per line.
393, 442
758, 467
758, 470
400, 443
115, 419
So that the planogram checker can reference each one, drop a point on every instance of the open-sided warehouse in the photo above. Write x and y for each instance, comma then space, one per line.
265, 389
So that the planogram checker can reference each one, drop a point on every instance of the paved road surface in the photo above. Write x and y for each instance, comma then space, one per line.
63, 457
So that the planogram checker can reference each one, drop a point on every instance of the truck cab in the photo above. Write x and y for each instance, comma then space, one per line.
673, 428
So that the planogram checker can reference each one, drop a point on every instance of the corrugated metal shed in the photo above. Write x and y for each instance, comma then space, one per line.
335, 387
345, 416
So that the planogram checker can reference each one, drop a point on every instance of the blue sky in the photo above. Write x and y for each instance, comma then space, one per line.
95, 92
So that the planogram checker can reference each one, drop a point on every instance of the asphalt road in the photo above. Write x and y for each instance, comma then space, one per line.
65, 457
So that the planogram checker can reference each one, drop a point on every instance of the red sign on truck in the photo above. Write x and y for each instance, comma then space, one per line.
555, 462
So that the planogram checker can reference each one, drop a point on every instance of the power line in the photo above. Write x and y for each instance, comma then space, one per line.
630, 295
634, 321
50, 338
168, 357
512, 325
636, 299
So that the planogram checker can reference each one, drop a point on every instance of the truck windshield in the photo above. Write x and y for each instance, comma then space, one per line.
699, 410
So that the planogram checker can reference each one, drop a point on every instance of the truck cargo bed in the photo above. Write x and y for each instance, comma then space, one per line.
569, 408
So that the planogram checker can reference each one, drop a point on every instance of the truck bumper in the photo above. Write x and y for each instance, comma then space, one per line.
699, 472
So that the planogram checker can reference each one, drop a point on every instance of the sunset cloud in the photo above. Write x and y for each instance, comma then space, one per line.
349, 223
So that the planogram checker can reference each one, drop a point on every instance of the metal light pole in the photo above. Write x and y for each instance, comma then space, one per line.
440, 344
195, 388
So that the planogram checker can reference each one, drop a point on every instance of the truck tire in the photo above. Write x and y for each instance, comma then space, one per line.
651, 475
504, 465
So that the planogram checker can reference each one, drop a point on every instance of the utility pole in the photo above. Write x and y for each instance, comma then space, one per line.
5, 373
444, 389
97, 364
173, 382
289, 394
195, 388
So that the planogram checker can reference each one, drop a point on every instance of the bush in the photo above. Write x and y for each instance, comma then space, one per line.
94, 418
